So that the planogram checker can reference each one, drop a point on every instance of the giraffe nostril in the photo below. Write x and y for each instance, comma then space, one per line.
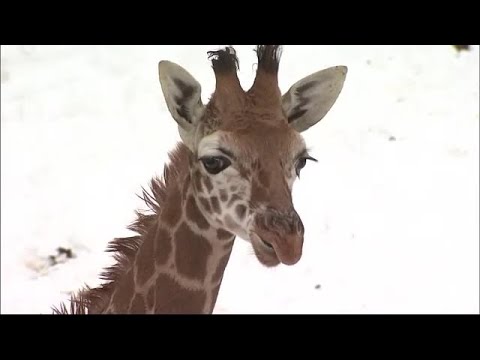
300, 227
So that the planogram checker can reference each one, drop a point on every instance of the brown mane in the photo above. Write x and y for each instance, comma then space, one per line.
90, 300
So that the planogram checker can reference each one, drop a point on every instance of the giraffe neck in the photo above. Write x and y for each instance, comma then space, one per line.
180, 264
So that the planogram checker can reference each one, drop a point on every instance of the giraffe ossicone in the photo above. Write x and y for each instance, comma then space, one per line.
230, 176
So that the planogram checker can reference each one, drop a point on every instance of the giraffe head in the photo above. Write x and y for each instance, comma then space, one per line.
247, 149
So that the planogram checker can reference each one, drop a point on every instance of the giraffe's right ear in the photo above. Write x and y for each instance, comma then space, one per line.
183, 97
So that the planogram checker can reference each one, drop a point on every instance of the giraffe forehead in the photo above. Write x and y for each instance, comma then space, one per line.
265, 141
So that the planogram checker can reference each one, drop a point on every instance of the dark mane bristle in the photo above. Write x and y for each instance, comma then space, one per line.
224, 60
269, 57
79, 304
94, 300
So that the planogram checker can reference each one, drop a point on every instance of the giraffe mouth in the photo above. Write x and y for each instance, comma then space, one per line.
268, 245
264, 251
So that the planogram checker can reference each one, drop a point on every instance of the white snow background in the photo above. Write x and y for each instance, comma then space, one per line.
391, 209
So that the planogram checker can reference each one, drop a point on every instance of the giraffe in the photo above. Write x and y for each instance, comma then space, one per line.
231, 175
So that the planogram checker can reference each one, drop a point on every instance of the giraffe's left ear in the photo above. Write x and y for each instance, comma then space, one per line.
309, 99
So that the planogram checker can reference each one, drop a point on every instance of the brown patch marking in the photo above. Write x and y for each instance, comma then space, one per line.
124, 293
163, 246
195, 215
215, 204
222, 264
191, 253
138, 305
145, 260
241, 210
174, 299
208, 184
223, 234
151, 298
234, 198
205, 203
223, 195
171, 212
197, 181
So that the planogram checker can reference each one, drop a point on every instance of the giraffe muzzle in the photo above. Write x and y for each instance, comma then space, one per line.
278, 237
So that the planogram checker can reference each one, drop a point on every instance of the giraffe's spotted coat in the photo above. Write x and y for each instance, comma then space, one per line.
176, 262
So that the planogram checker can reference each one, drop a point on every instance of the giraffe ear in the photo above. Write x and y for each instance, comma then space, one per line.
310, 99
183, 97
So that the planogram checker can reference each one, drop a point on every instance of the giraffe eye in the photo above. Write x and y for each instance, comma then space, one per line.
215, 164
301, 162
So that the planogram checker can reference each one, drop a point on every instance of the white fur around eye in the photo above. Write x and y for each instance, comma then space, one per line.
209, 145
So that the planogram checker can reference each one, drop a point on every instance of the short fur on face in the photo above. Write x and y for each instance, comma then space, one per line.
247, 148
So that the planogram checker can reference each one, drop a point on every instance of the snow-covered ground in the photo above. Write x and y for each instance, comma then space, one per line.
391, 209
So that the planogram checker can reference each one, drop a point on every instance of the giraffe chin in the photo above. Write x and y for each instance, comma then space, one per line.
264, 252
